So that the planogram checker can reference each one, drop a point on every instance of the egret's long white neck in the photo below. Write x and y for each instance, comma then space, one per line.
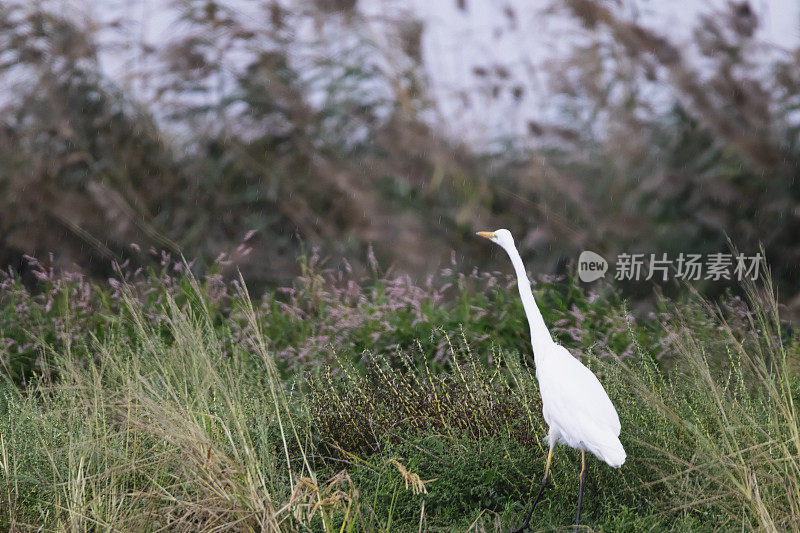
540, 335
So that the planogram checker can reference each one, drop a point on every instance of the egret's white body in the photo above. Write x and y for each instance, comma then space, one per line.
575, 405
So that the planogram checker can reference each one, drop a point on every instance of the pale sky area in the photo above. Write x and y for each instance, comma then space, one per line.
456, 40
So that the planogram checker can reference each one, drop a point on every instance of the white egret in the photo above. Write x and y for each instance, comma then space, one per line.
575, 406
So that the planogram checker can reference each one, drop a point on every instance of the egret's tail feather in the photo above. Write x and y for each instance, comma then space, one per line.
613, 453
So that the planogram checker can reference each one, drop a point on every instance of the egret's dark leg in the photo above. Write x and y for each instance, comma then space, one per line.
580, 490
545, 479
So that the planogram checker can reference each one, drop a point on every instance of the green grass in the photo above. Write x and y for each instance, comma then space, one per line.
176, 413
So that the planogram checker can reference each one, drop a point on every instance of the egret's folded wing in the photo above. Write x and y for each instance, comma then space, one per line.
577, 401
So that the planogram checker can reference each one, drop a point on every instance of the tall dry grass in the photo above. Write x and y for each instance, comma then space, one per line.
727, 438
159, 430
169, 418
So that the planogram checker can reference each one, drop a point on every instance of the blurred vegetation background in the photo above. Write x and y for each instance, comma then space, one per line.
315, 127
373, 371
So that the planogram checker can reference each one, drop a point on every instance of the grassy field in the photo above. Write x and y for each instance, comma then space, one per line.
164, 401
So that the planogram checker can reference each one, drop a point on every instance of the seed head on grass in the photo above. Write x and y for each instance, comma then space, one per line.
410, 478
337, 495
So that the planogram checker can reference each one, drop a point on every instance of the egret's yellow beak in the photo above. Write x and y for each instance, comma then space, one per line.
486, 234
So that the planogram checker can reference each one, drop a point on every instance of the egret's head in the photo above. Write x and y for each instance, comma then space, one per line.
501, 236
